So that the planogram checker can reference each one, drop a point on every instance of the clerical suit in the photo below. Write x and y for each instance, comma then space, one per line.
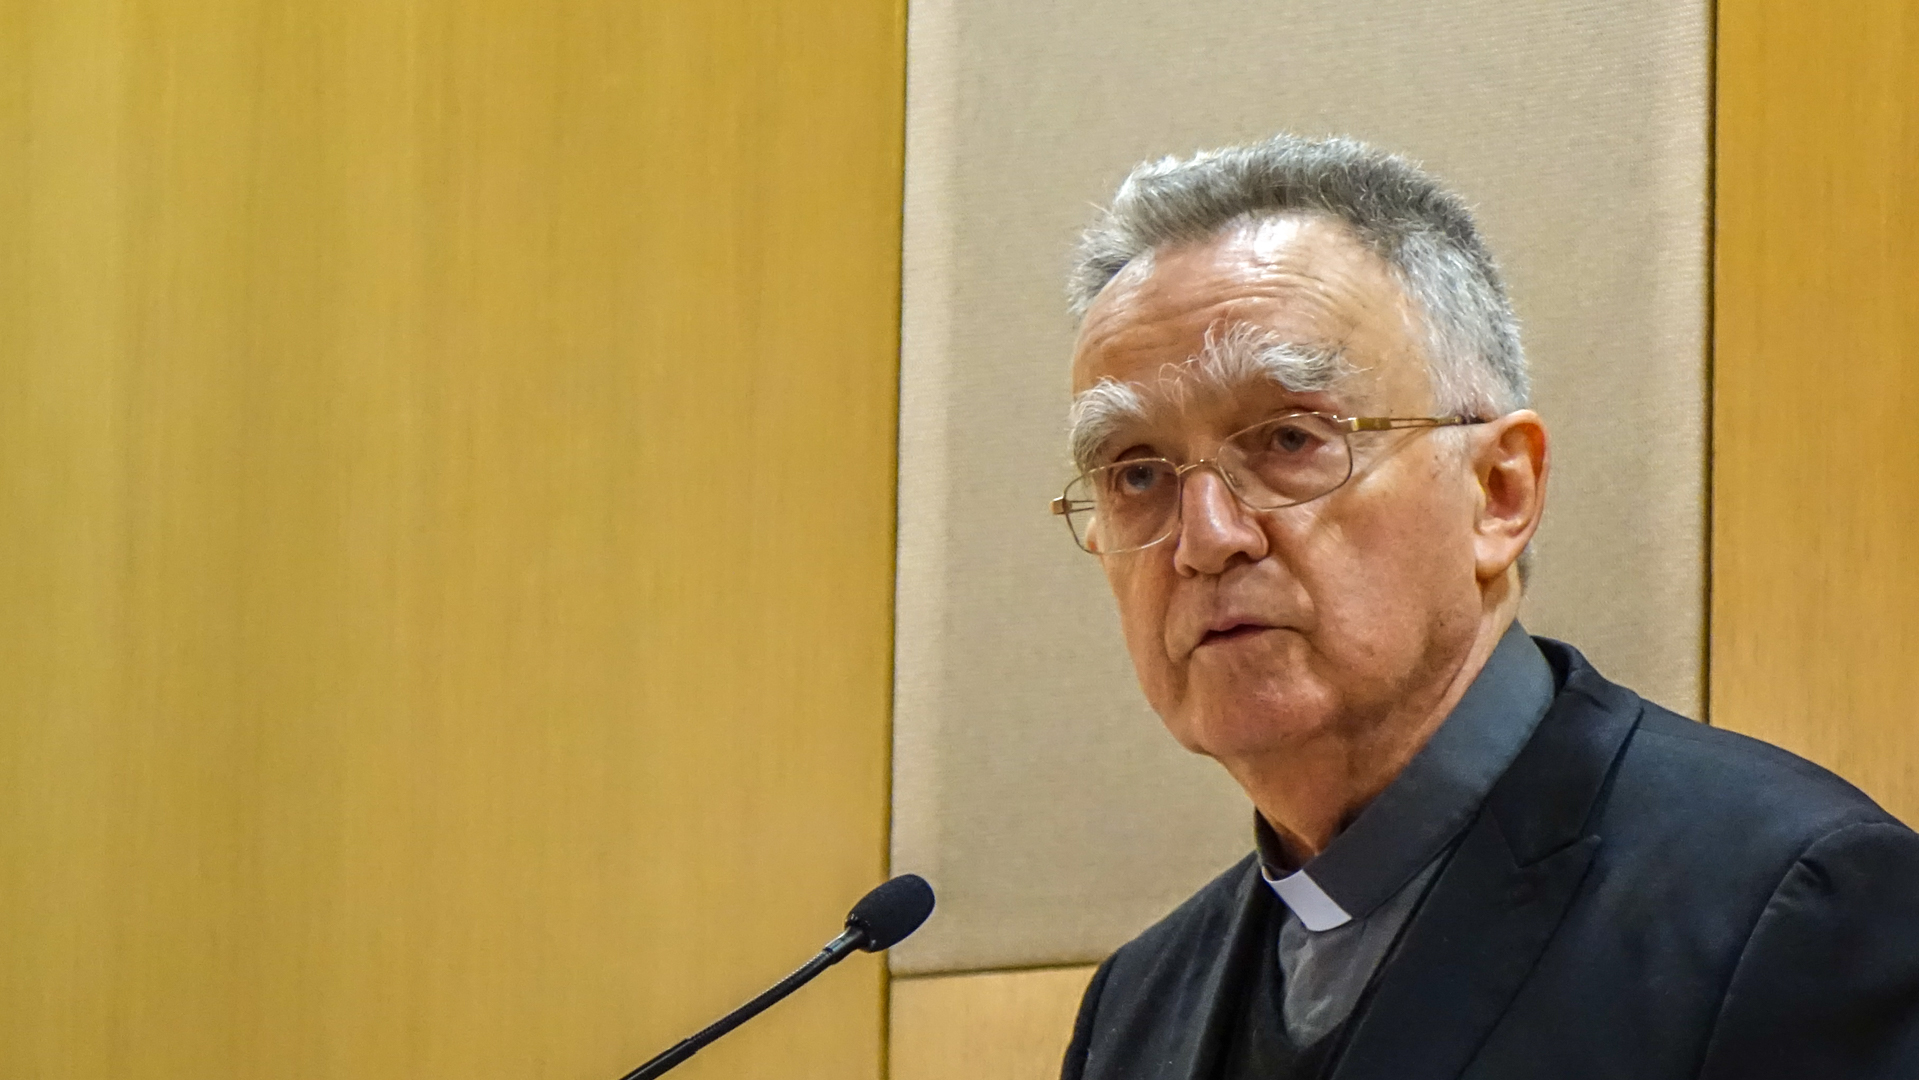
1633, 895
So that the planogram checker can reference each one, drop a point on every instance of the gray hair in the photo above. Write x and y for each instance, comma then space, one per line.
1401, 213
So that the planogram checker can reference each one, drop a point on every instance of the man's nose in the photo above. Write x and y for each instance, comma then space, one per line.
1214, 526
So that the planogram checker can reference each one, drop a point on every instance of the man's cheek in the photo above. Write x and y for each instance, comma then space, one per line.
1153, 664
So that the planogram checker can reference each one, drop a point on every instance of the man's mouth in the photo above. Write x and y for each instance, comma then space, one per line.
1232, 633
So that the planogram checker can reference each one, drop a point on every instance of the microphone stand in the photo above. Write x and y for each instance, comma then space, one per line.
835, 951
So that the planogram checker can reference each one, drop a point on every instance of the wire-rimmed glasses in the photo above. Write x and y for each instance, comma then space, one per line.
1292, 458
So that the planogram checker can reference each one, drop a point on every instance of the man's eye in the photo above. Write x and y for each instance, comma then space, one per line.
1291, 439
1135, 479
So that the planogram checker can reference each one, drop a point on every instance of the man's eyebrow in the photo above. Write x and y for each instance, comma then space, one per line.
1243, 353
1229, 359
1098, 411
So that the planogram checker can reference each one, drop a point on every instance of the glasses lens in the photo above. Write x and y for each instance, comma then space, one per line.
1287, 460
1124, 506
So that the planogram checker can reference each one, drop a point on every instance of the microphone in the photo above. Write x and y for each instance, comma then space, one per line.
882, 919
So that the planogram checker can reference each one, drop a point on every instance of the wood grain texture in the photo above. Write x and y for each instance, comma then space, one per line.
1815, 553
446, 496
993, 1025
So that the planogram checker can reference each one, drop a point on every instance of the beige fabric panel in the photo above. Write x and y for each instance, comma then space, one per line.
1032, 785
1001, 1025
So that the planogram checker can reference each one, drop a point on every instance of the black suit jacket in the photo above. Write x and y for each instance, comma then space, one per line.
1640, 897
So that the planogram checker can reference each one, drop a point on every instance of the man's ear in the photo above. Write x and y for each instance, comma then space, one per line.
1510, 461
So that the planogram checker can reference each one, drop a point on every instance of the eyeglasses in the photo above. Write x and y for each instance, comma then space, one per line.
1287, 460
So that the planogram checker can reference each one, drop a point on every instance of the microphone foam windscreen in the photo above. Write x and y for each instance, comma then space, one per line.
892, 911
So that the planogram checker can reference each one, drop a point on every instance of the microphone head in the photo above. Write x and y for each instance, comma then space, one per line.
890, 912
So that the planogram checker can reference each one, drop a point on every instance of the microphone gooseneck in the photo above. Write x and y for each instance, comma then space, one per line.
882, 919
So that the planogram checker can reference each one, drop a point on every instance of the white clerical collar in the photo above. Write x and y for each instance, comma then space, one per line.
1316, 910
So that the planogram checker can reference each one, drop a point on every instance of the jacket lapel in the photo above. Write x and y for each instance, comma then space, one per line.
1500, 898
1225, 983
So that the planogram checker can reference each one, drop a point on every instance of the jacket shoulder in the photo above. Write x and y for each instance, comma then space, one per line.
1739, 781
1140, 1017
1206, 916
1692, 775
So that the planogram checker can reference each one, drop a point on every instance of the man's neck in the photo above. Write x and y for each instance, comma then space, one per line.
1310, 792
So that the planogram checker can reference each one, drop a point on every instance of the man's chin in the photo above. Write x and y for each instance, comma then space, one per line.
1251, 721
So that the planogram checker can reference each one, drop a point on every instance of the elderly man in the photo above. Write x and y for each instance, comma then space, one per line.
1309, 472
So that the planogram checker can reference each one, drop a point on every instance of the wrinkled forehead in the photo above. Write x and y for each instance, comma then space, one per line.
1299, 279
1283, 311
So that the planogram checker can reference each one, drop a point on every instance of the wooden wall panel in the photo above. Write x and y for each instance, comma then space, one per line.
1002, 1025
446, 501
1815, 552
